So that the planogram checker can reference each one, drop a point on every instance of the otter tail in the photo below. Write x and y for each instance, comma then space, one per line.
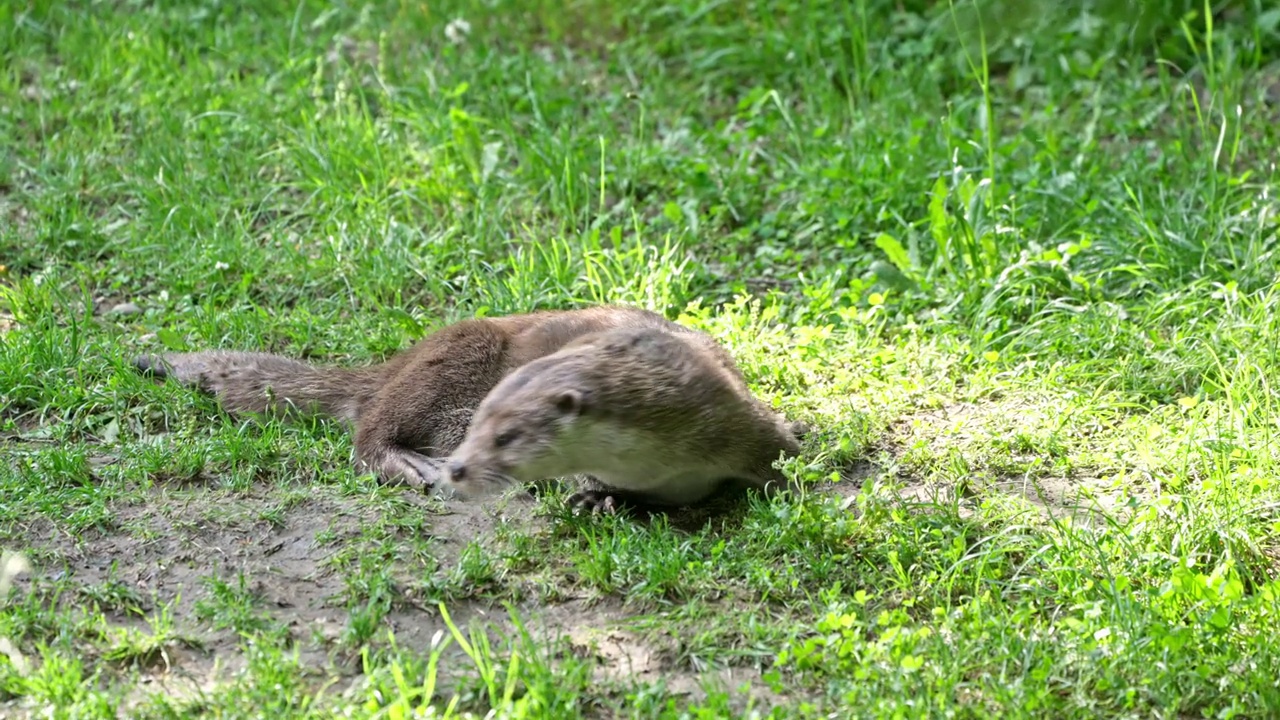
252, 382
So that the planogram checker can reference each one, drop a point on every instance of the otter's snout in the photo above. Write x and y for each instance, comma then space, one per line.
455, 470
473, 478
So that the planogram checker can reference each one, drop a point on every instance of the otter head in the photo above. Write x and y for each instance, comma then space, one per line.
516, 435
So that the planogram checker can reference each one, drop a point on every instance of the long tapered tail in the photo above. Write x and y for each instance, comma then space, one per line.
252, 382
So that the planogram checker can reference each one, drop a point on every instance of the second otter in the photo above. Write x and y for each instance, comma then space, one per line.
656, 416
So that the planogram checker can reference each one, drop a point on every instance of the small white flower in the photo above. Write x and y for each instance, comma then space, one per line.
220, 265
456, 31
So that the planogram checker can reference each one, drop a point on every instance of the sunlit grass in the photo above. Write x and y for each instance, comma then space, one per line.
1014, 262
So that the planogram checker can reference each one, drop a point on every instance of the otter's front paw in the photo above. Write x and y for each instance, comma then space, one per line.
406, 467
593, 501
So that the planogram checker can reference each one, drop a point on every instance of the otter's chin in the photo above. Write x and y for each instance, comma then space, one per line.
466, 491
490, 485
546, 465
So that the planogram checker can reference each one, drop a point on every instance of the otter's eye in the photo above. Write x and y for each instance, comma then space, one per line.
505, 438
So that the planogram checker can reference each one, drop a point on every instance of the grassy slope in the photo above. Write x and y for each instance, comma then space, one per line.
996, 306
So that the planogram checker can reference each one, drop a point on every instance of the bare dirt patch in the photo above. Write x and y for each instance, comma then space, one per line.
167, 546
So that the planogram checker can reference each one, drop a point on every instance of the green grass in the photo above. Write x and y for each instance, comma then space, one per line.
1015, 262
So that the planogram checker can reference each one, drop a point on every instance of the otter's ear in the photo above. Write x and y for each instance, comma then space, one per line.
570, 402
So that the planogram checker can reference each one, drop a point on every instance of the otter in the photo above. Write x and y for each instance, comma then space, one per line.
653, 415
412, 410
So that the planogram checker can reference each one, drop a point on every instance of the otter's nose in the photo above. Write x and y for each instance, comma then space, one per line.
457, 470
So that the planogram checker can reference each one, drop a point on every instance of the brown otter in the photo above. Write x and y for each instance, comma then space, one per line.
657, 416
413, 409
